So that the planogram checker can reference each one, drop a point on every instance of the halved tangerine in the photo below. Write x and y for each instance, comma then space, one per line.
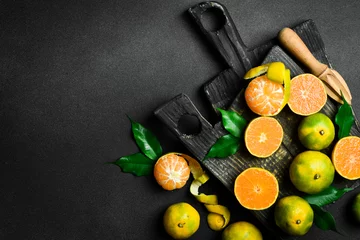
171, 171
307, 94
264, 97
256, 188
346, 157
263, 136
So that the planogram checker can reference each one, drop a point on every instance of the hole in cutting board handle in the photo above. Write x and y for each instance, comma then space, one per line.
189, 124
213, 19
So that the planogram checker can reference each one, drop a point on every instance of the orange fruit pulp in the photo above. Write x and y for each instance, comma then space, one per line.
346, 157
307, 94
264, 97
171, 171
256, 188
263, 136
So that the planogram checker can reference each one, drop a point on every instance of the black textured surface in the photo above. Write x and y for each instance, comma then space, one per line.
221, 89
71, 71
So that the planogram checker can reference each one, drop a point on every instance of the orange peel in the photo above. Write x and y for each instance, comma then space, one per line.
218, 213
256, 71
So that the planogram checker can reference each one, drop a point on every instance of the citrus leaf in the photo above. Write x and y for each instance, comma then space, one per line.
146, 141
225, 146
137, 164
344, 118
329, 195
233, 122
323, 219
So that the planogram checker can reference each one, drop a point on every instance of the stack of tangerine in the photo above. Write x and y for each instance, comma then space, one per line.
269, 90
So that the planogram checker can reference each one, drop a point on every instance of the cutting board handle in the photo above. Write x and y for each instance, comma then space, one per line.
224, 37
171, 113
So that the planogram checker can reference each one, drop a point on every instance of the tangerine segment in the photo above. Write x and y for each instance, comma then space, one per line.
346, 157
264, 97
307, 94
256, 188
263, 136
171, 171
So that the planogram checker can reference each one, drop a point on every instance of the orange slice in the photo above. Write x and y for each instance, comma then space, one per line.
307, 94
263, 136
256, 188
346, 157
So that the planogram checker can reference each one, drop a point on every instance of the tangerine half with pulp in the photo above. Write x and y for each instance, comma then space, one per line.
264, 97
307, 94
171, 171
263, 136
346, 157
256, 188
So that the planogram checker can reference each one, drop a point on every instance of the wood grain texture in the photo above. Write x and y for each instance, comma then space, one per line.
222, 93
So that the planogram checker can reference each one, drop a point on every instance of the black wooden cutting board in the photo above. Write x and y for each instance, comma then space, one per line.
225, 91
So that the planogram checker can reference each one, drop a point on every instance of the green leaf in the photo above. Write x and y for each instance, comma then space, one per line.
146, 141
323, 219
344, 118
225, 146
233, 122
137, 164
329, 195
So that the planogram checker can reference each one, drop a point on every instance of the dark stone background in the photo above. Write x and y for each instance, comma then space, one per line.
70, 72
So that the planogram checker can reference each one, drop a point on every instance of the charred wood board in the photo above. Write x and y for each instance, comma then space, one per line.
226, 91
